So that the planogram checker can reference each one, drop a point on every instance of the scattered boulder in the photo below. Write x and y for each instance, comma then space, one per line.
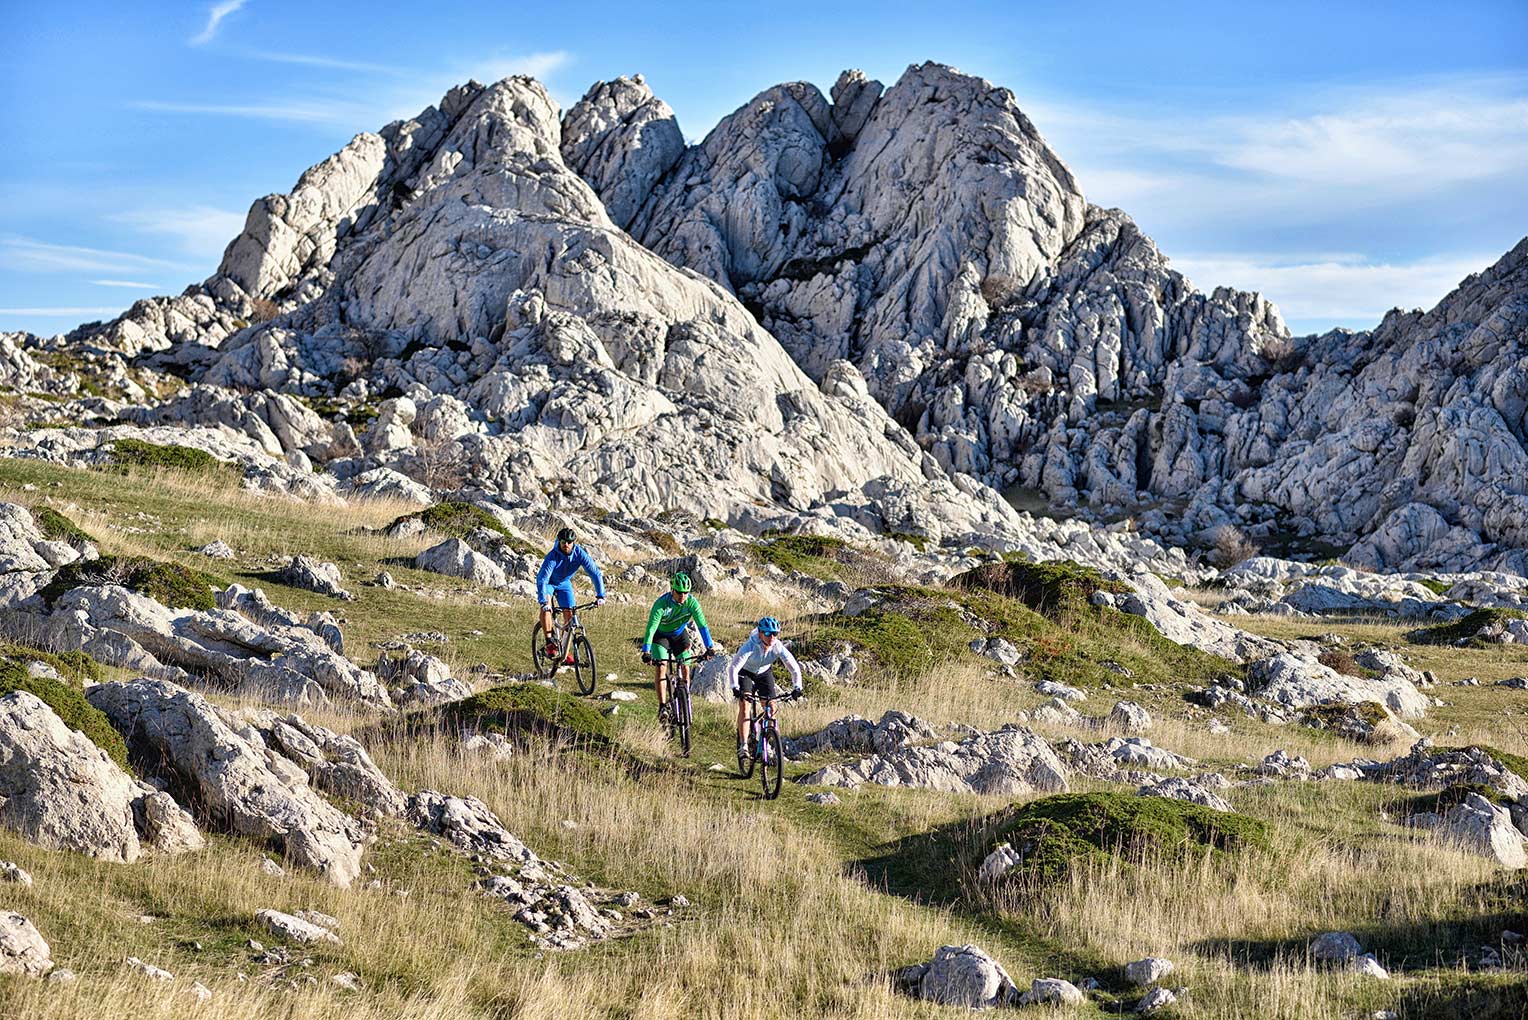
1335, 947
1155, 1000
296, 929
10, 871
1185, 790
239, 784
1053, 689
217, 550
960, 976
895, 730
998, 863
1148, 971
1052, 992
455, 558
58, 789
1009, 761
1485, 828
1295, 681
336, 763
23, 950
310, 575
1128, 717
420, 679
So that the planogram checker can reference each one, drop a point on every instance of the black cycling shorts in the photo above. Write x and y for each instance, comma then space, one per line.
761, 683
673, 645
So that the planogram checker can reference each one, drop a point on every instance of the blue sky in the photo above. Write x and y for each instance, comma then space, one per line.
1339, 160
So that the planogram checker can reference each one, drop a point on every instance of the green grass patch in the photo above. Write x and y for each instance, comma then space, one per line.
171, 584
1055, 834
815, 555
1050, 588
528, 708
664, 541
456, 519
1465, 628
917, 541
127, 454
57, 528
1435, 586
65, 696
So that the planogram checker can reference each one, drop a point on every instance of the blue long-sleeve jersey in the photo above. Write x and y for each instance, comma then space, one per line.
558, 569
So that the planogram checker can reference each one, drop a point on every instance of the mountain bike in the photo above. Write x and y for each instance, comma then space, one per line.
572, 642
764, 739
681, 716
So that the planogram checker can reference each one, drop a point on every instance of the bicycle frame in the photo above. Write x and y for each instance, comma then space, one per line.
759, 725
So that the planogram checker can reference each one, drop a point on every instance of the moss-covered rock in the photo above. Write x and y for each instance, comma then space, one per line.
1054, 834
1465, 628
57, 528
137, 453
664, 541
816, 555
528, 708
170, 584
65, 696
1050, 588
1515, 763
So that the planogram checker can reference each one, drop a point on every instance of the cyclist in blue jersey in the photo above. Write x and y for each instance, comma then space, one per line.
565, 560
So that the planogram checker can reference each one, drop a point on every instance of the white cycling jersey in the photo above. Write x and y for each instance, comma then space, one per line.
754, 657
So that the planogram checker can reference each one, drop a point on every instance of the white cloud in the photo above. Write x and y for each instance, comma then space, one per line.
129, 284
364, 104
215, 15
60, 313
201, 231
1334, 286
302, 112
333, 63
26, 254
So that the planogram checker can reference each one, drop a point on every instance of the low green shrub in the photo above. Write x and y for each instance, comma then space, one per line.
64, 696
137, 453
171, 584
1465, 628
57, 528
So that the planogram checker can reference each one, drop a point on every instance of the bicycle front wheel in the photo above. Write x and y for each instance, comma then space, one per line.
583, 665
682, 718
772, 768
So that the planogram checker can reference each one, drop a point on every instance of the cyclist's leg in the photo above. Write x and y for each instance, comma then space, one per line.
764, 686
562, 595
745, 681
660, 655
546, 628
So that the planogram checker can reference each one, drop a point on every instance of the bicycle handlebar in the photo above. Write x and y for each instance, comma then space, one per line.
586, 605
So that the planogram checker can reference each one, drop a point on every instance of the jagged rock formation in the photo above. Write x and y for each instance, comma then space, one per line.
936, 309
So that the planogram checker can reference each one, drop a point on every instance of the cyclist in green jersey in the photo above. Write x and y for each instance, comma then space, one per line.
665, 637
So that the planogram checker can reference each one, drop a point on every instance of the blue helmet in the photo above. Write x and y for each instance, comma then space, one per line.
769, 625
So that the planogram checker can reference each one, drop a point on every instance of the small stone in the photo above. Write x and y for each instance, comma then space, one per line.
678, 902
1053, 991
271, 868
621, 696
1335, 947
254, 946
385, 580
1368, 966
218, 550
148, 970
63, 976
1148, 971
348, 981
201, 992
295, 928
824, 799
1157, 998
12, 872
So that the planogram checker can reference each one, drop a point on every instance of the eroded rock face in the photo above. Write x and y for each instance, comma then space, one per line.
239, 784
894, 730
1484, 828
1008, 761
267, 653
1295, 681
58, 789
336, 763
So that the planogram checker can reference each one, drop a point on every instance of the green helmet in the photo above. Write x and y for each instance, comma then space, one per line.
680, 582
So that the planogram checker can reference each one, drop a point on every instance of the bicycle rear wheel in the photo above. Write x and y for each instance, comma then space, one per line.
772, 768
543, 666
583, 665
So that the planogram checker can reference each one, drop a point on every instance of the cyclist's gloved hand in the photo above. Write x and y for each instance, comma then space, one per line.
647, 659
796, 693
737, 692
600, 601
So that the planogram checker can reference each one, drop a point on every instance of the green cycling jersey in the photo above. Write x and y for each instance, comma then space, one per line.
670, 617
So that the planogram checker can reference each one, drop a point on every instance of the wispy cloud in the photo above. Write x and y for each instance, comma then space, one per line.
215, 15
60, 313
129, 284
1334, 287
202, 231
365, 103
302, 112
27, 254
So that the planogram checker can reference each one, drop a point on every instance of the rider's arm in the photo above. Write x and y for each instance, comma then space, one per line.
700, 623
790, 664
735, 666
587, 562
653, 616
543, 579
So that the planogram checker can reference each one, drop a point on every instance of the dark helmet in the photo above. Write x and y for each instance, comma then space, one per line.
565, 535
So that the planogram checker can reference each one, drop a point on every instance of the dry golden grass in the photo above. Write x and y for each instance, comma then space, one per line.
784, 920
